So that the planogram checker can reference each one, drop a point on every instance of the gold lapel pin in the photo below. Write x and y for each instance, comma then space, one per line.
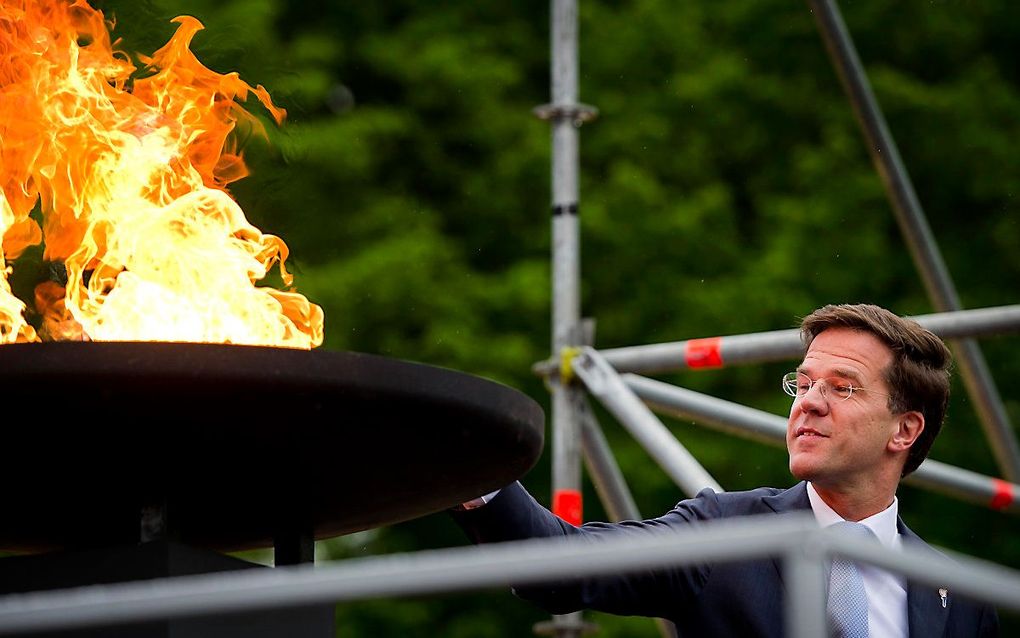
943, 593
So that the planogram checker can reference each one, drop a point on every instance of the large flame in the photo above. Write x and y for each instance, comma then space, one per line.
129, 174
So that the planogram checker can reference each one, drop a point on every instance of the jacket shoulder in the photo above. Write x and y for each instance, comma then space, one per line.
763, 500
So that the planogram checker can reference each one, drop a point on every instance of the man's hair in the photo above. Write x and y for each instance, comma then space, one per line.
918, 377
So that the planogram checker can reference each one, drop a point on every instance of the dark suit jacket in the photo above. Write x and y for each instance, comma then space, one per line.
725, 599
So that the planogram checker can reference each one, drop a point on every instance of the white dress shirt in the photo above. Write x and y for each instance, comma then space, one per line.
478, 502
887, 592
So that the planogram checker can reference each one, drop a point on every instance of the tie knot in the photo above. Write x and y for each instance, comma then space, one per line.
856, 530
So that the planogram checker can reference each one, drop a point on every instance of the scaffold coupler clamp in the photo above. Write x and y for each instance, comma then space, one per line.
567, 357
594, 371
575, 112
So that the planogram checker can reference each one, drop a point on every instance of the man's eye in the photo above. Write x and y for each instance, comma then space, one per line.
842, 388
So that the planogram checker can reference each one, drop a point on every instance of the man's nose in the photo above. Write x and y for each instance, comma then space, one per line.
813, 400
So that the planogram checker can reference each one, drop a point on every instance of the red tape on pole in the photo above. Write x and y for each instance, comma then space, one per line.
567, 505
704, 353
1003, 494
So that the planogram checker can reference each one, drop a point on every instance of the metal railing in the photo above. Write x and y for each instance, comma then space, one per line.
803, 547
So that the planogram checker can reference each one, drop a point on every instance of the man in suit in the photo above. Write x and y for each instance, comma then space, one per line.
868, 401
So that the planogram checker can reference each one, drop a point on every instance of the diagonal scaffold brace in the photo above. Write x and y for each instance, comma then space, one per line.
610, 485
605, 384
916, 231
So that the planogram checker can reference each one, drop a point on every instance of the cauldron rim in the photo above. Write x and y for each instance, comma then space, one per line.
426, 438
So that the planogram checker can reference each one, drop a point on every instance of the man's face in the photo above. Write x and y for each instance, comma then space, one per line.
836, 443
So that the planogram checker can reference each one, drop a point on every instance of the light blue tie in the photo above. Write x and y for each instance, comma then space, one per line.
848, 601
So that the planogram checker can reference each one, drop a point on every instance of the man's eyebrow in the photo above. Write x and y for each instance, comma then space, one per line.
845, 373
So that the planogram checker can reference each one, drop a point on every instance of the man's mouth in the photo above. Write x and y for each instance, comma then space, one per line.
806, 431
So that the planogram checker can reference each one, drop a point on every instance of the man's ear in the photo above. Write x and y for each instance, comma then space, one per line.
909, 426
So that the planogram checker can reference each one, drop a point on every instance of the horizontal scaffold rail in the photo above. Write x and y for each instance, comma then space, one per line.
748, 422
780, 345
797, 539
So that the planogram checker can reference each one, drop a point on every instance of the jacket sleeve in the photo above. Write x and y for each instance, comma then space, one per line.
514, 515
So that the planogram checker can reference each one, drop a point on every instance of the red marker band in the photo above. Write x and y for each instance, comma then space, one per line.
1003, 494
567, 505
704, 353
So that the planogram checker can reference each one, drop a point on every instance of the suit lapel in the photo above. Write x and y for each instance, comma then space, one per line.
925, 614
791, 500
926, 617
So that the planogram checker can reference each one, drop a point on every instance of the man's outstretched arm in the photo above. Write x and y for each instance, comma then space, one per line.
514, 515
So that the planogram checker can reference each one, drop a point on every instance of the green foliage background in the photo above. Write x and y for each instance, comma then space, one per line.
725, 189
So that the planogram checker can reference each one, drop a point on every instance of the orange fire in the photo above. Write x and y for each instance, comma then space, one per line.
128, 172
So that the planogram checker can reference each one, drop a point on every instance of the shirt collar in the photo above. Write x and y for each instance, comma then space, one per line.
883, 524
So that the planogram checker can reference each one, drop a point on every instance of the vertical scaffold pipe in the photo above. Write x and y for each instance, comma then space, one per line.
566, 243
566, 306
914, 226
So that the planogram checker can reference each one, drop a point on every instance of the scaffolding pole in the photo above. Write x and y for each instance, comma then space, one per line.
780, 345
605, 474
611, 486
747, 422
914, 226
564, 114
605, 384
806, 576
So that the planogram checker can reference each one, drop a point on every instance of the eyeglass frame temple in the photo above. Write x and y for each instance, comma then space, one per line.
853, 388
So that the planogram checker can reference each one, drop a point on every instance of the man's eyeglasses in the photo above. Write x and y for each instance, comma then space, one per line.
797, 384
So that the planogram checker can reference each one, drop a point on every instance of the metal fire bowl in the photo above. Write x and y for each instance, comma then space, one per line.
242, 443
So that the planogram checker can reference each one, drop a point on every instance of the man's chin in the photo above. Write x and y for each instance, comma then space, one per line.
802, 470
